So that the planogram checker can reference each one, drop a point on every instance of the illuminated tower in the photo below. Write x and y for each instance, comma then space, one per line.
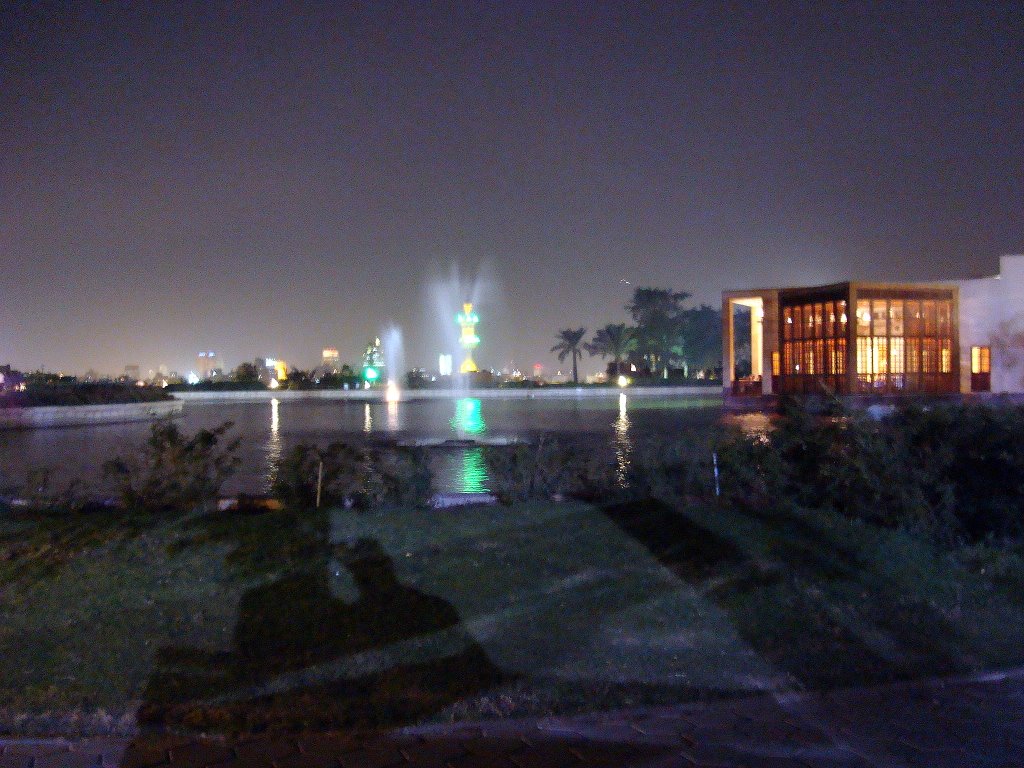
467, 320
373, 363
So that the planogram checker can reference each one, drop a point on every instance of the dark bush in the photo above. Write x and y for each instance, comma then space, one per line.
174, 473
359, 476
548, 469
82, 394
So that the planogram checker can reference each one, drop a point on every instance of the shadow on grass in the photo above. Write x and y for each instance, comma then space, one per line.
307, 655
805, 602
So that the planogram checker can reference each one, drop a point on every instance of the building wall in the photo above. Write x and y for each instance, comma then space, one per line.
992, 315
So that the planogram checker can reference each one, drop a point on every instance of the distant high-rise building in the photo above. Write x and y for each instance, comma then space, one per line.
331, 362
206, 364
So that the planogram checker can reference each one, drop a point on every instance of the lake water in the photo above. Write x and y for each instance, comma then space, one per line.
268, 429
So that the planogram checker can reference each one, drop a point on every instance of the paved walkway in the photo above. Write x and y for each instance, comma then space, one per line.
975, 722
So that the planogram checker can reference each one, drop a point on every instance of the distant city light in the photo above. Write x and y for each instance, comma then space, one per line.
192, 378
623, 381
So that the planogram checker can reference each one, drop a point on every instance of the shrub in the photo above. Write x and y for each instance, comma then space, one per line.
174, 473
352, 476
547, 469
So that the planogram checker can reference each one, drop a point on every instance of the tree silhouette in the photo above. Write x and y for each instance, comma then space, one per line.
659, 317
615, 340
570, 343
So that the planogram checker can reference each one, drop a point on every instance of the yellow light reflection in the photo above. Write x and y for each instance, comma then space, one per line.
367, 419
392, 415
623, 444
274, 444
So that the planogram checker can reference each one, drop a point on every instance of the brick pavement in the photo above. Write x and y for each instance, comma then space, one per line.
975, 722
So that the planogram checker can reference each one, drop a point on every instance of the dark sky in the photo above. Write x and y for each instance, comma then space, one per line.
269, 178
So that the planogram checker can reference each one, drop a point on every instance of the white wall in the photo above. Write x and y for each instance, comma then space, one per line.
992, 315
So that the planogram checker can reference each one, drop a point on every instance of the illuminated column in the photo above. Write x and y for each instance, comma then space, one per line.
467, 320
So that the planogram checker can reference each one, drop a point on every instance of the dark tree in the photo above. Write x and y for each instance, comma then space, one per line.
659, 317
614, 341
247, 372
570, 342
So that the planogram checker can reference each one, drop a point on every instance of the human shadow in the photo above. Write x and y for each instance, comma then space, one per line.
304, 657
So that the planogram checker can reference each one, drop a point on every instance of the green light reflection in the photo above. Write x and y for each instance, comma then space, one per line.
474, 471
469, 418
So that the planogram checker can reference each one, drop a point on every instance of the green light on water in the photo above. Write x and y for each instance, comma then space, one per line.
474, 471
469, 418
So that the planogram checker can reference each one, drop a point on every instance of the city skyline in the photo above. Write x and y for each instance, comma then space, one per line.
274, 178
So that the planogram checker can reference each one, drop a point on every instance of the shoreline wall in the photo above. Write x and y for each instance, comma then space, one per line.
378, 395
83, 415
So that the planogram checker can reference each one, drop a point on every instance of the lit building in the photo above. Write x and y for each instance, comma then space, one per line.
373, 369
467, 320
206, 364
330, 360
272, 371
131, 372
878, 338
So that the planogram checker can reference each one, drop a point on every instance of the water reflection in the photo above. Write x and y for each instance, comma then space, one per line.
274, 444
623, 444
367, 419
474, 471
755, 425
392, 413
469, 418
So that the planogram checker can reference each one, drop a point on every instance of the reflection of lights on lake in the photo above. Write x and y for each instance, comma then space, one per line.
367, 419
274, 446
392, 415
623, 445
474, 471
469, 418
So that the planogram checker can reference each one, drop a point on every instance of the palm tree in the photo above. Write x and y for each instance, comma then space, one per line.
614, 341
569, 344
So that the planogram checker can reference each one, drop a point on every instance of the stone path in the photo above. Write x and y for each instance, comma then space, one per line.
975, 722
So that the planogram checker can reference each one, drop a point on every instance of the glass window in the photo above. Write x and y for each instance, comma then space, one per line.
981, 360
776, 366
946, 355
913, 318
787, 323
879, 312
841, 311
863, 317
928, 311
880, 358
943, 311
895, 318
929, 355
798, 323
864, 355
839, 356
819, 321
896, 354
913, 355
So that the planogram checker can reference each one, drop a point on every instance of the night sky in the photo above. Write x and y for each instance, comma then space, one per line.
267, 179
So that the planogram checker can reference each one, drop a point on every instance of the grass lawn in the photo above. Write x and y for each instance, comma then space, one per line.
236, 621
